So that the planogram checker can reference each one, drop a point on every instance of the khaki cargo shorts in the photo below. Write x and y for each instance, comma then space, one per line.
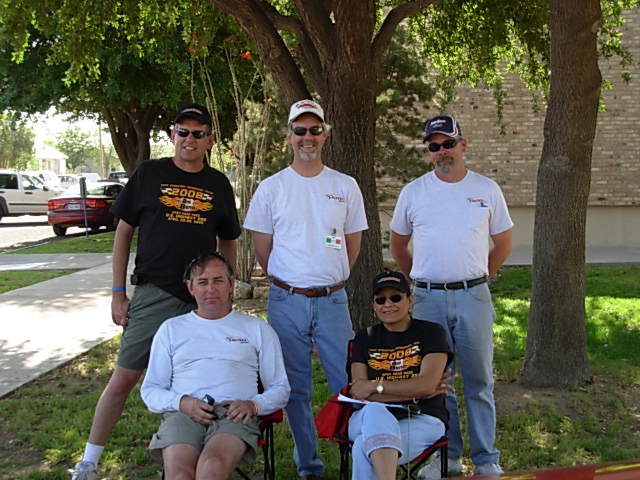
149, 307
176, 428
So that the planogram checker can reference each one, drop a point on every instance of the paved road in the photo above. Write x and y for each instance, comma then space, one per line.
27, 230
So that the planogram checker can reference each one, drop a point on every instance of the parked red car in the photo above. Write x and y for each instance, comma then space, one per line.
68, 209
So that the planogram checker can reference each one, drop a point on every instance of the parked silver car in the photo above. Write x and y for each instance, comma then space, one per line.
23, 194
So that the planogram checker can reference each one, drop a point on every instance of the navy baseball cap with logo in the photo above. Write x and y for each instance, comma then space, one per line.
197, 112
444, 124
391, 279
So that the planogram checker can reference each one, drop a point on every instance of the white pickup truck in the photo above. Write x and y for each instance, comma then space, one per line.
23, 194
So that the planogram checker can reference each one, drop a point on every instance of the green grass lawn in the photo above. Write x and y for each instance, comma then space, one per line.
12, 279
93, 243
43, 425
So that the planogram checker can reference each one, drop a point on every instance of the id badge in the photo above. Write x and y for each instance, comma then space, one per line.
333, 241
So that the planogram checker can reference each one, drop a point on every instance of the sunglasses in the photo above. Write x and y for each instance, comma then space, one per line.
382, 300
184, 133
301, 131
447, 145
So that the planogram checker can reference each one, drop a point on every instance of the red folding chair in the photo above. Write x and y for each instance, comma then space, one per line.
267, 444
332, 422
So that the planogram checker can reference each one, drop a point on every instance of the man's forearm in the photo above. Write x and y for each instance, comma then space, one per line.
229, 248
502, 245
399, 247
120, 258
262, 245
353, 242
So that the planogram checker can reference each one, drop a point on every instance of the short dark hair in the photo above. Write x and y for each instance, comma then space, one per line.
201, 260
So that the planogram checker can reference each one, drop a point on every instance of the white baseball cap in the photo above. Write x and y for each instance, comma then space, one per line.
305, 106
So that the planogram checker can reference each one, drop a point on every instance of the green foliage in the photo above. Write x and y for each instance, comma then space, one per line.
16, 142
405, 92
115, 59
78, 146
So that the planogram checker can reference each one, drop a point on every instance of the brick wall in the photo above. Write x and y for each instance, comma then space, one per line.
512, 159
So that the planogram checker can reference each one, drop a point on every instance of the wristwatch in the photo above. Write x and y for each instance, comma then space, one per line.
380, 387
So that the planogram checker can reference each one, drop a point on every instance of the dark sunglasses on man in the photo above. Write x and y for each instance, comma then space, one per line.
447, 144
302, 131
184, 133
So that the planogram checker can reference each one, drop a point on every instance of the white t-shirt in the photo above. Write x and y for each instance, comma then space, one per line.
195, 356
451, 224
301, 213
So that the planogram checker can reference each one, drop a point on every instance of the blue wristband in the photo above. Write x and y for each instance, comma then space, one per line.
118, 289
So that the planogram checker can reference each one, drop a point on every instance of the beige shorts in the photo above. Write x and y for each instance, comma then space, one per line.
176, 427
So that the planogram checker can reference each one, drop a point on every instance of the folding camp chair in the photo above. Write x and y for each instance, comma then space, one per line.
332, 422
267, 444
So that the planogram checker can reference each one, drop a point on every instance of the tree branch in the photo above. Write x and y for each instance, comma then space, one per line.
391, 22
279, 21
253, 18
318, 26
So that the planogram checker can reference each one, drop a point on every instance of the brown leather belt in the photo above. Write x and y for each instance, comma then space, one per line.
308, 292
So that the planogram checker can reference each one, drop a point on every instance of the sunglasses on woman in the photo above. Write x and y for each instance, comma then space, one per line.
395, 298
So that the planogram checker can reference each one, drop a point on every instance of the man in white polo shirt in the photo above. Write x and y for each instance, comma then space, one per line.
307, 222
453, 215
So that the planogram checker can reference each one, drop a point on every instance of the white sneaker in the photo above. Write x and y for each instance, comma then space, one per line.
431, 470
488, 469
84, 471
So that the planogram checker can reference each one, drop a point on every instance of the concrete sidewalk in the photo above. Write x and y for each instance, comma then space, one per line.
49, 323
49, 261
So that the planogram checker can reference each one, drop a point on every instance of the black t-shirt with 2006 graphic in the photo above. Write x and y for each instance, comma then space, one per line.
179, 215
393, 356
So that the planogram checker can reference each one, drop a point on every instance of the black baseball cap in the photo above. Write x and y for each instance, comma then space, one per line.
391, 279
444, 124
197, 112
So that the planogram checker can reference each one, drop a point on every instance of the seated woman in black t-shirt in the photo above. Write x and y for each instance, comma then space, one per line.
399, 361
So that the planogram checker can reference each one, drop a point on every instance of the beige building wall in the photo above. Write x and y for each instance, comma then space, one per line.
512, 159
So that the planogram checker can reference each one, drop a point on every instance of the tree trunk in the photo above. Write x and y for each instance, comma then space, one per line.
130, 130
348, 94
556, 342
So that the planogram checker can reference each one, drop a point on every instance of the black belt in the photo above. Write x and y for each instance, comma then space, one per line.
308, 292
452, 285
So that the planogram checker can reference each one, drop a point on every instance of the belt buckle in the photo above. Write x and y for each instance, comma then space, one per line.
444, 286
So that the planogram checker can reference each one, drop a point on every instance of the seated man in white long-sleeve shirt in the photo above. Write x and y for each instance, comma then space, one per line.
217, 352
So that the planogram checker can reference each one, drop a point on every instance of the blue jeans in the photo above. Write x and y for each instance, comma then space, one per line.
467, 315
300, 322
373, 427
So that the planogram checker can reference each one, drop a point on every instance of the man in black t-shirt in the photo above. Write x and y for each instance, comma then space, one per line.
182, 208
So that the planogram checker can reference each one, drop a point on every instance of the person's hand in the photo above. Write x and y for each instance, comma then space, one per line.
197, 410
362, 389
241, 411
445, 385
120, 309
